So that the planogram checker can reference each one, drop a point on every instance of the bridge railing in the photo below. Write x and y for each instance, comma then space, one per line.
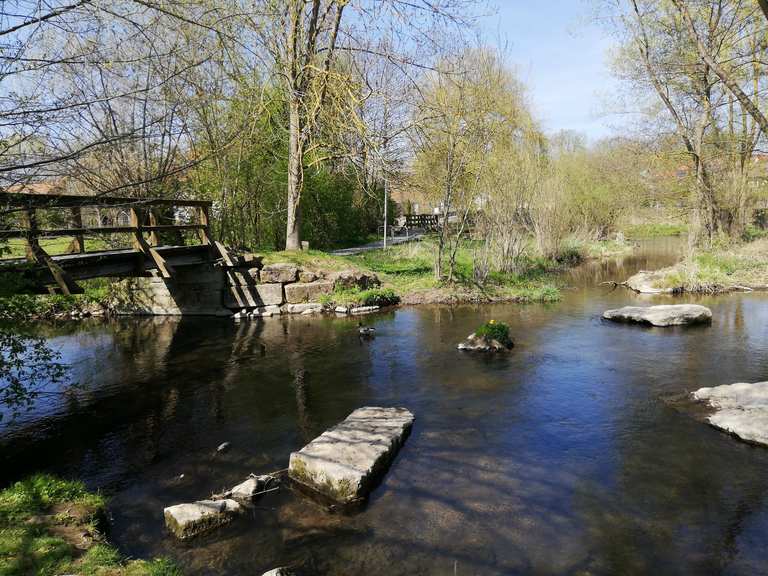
144, 217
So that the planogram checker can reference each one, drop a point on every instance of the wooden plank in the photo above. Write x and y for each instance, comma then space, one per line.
36, 253
22, 200
152, 228
23, 233
224, 254
78, 242
140, 244
205, 231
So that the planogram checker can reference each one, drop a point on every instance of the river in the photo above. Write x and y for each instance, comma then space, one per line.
558, 458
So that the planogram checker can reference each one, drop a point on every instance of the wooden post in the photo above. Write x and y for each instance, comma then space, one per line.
204, 233
36, 253
153, 239
77, 246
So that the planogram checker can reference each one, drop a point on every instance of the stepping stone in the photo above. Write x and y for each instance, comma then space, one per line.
740, 409
345, 462
188, 520
664, 315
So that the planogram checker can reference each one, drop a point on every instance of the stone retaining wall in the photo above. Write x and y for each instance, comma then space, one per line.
247, 288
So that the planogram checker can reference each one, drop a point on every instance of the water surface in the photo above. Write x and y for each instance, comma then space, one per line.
559, 458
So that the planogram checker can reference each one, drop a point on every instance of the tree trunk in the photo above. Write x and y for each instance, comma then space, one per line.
295, 178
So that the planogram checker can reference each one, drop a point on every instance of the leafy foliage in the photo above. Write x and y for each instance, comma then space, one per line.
27, 365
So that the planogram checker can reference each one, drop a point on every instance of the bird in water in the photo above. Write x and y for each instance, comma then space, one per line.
366, 331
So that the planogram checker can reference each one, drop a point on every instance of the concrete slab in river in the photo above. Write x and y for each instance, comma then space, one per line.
345, 462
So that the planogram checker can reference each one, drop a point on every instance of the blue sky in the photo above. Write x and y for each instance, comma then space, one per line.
561, 55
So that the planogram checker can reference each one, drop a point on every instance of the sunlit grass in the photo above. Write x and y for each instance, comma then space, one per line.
39, 518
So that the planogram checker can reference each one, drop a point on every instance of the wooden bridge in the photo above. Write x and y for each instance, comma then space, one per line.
144, 229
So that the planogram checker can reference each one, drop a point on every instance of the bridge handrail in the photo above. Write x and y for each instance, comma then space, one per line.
143, 220
22, 200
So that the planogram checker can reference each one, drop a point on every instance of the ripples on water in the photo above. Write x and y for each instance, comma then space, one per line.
557, 458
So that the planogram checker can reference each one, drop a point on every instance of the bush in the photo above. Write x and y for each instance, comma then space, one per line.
493, 330
356, 297
379, 297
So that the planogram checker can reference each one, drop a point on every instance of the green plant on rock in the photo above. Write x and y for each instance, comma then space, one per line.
493, 330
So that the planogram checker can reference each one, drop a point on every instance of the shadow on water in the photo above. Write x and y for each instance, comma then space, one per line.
558, 458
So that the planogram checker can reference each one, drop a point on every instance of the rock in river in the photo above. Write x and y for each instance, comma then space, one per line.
188, 520
664, 315
483, 344
649, 283
345, 462
740, 409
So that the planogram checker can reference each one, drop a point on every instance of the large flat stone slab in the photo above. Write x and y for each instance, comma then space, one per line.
740, 409
345, 462
188, 520
664, 315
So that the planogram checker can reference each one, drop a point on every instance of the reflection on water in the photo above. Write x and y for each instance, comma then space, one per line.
557, 458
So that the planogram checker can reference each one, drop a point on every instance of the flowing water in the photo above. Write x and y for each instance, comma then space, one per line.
558, 458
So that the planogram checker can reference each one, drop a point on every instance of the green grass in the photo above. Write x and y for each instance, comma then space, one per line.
653, 230
16, 248
406, 272
41, 519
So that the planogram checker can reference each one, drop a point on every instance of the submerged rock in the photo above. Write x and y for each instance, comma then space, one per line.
740, 409
475, 343
664, 315
648, 283
247, 491
188, 520
345, 462
282, 571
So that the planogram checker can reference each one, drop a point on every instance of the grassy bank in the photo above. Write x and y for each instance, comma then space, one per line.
721, 269
50, 526
16, 303
655, 230
406, 271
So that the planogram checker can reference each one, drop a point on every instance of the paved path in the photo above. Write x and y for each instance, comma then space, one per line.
379, 244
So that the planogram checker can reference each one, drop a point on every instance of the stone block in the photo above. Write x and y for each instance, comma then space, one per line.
353, 279
301, 308
254, 296
345, 462
188, 520
283, 273
266, 311
307, 276
301, 292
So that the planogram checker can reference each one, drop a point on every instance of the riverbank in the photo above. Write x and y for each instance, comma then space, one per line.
51, 526
719, 270
405, 272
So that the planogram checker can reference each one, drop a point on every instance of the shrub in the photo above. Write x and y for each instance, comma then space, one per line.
493, 330
379, 297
